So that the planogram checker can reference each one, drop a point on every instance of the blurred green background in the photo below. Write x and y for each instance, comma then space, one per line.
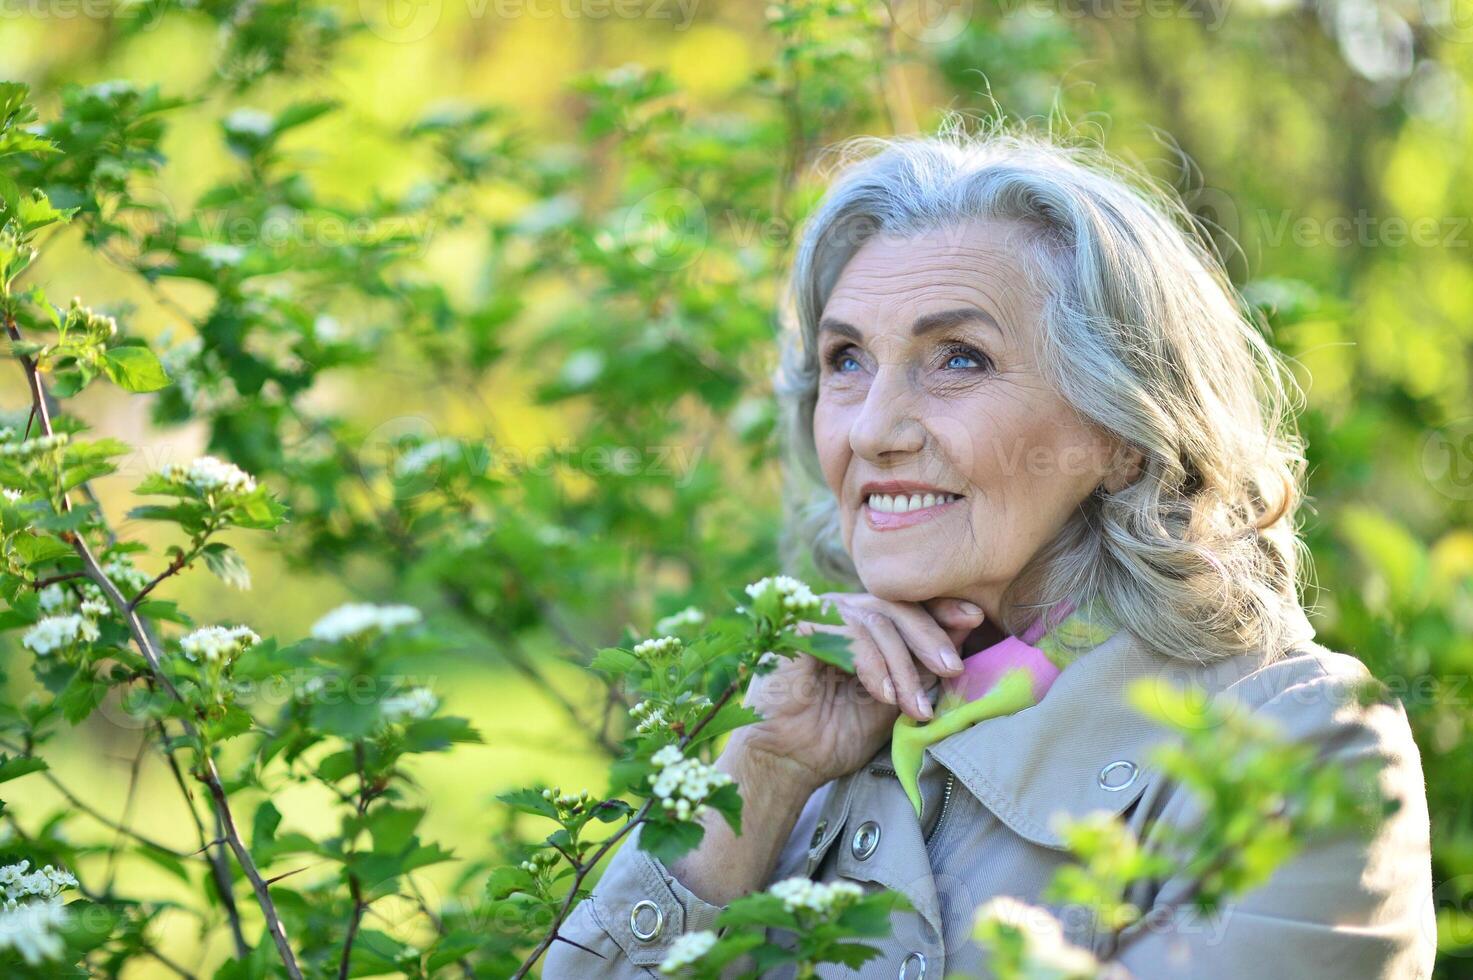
595, 204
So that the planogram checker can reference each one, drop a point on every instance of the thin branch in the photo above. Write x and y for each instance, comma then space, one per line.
112, 852
175, 566
42, 583
207, 771
353, 921
78, 804
219, 870
580, 871
439, 923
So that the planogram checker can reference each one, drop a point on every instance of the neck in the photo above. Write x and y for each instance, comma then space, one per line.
982, 637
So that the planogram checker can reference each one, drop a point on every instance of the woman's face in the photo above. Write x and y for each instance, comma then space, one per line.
952, 460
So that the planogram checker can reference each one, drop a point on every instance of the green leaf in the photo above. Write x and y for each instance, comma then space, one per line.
81, 696
134, 369
227, 565
529, 801
831, 648
614, 661
435, 734
264, 824
38, 549
19, 766
393, 828
669, 841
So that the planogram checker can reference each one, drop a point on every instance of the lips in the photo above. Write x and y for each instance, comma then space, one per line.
897, 504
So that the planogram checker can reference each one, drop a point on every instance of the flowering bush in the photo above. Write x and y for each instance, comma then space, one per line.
307, 364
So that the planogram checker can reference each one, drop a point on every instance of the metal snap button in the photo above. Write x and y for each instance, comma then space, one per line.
645, 935
866, 839
1118, 775
818, 833
913, 967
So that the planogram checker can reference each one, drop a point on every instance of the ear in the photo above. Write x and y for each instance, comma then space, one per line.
1125, 470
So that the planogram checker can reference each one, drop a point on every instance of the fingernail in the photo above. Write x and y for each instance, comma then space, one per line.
889, 691
923, 705
970, 608
950, 659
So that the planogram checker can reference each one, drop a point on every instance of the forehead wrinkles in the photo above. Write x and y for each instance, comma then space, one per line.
886, 286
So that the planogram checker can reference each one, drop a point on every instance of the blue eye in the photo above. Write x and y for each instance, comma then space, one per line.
839, 359
963, 357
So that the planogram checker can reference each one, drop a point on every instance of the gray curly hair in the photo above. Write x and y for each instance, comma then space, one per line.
1143, 334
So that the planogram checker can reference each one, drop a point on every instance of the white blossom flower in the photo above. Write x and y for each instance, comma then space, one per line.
33, 447
12, 495
252, 121
207, 474
648, 717
417, 702
55, 632
33, 930
552, 536
219, 254
689, 616
687, 949
554, 794
218, 644
31, 913
111, 89
418, 459
682, 785
792, 594
44, 882
53, 597
327, 328
658, 649
822, 897
358, 618
95, 608
125, 575
1046, 946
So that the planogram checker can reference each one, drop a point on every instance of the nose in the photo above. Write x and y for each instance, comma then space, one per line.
888, 426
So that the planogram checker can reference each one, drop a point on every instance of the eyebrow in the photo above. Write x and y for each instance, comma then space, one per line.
923, 324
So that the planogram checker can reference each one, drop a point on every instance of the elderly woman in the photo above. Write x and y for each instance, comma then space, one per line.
1033, 400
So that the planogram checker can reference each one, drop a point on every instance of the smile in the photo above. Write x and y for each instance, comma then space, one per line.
886, 512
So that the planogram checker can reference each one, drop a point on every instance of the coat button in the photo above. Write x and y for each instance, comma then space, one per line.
818, 833
1118, 775
913, 967
646, 927
866, 839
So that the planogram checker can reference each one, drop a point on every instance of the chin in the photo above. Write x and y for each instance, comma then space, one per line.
902, 579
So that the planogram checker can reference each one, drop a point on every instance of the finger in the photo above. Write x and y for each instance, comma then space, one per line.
956, 617
869, 665
899, 659
928, 642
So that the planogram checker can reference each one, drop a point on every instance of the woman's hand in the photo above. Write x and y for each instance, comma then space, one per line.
820, 723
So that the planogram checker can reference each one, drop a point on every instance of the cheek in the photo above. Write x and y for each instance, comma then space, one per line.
831, 439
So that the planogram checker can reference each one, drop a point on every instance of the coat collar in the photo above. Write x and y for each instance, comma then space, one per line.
1082, 748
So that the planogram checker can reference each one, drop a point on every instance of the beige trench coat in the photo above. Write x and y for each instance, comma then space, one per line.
1343, 909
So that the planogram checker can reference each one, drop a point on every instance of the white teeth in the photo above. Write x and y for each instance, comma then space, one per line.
903, 504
